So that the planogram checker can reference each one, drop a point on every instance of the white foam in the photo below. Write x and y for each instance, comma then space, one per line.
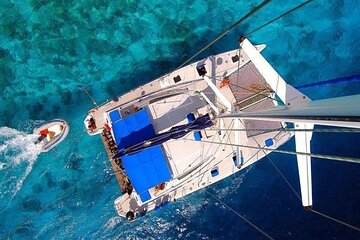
113, 222
17, 150
2, 165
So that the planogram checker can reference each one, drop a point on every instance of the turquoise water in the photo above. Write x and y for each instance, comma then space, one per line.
49, 50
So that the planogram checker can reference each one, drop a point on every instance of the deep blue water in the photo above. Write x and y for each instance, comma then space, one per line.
49, 50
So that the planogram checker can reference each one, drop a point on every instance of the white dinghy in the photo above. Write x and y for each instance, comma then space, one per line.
51, 133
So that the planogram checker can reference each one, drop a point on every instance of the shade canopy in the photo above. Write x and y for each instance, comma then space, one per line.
146, 169
132, 129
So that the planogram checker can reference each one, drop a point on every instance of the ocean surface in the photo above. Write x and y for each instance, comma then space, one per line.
50, 50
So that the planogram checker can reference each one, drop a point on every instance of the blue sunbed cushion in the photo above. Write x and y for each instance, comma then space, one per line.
269, 142
146, 169
114, 116
133, 129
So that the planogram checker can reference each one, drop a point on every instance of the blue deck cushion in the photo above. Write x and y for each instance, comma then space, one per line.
190, 117
114, 116
146, 169
269, 142
197, 136
133, 129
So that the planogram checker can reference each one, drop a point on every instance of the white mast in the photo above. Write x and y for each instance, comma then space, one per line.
339, 112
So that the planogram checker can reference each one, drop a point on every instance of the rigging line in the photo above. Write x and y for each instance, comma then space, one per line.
187, 178
185, 181
197, 172
61, 196
213, 140
221, 137
218, 78
315, 155
202, 144
314, 211
242, 217
282, 15
217, 149
276, 168
335, 220
147, 95
142, 145
291, 187
92, 99
266, 130
254, 10
228, 135
283, 176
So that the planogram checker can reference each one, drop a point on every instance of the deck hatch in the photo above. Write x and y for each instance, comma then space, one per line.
214, 172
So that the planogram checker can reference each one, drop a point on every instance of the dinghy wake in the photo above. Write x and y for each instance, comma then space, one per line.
18, 153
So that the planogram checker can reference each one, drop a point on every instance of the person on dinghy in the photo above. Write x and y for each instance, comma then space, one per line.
51, 135
43, 134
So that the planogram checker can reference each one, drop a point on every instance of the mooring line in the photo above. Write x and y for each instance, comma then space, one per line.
221, 35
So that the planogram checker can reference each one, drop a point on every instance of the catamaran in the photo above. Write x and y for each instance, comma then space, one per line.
206, 121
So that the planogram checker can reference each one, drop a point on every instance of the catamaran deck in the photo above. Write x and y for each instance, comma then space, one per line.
199, 158
196, 164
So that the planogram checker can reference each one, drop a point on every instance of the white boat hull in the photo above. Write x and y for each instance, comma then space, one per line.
58, 130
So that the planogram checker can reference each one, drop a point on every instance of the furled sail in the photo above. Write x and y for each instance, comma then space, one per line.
176, 132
